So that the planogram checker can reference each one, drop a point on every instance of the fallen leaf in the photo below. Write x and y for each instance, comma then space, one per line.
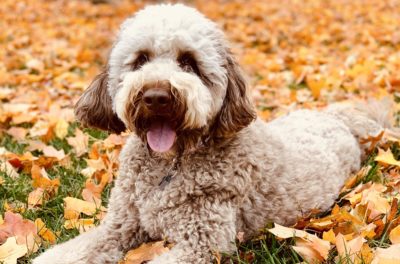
18, 133
61, 128
394, 235
83, 225
348, 250
387, 158
321, 247
114, 140
390, 255
50, 151
74, 206
8, 169
80, 142
10, 251
145, 252
15, 226
44, 232
329, 236
35, 198
41, 180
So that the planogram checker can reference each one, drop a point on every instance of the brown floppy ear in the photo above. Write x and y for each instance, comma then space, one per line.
237, 111
94, 108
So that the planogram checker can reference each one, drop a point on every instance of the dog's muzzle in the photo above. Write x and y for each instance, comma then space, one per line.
158, 101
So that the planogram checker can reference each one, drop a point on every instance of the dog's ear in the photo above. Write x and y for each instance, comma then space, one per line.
237, 110
94, 108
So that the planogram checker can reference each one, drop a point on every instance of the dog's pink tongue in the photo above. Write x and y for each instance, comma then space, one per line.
160, 136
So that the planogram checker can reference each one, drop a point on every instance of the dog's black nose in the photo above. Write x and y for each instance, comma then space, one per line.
157, 99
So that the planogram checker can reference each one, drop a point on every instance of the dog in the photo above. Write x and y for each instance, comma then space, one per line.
199, 166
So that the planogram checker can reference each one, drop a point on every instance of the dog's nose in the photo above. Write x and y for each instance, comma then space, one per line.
156, 99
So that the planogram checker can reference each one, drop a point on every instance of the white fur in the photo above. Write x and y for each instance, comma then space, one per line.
187, 29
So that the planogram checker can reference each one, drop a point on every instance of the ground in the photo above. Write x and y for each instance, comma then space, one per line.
55, 177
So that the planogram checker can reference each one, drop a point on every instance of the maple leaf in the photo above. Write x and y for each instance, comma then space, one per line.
80, 142
50, 151
24, 230
41, 180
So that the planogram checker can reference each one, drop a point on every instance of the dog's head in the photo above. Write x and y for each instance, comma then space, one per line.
171, 79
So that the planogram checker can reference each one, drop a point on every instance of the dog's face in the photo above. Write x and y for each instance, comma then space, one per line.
170, 79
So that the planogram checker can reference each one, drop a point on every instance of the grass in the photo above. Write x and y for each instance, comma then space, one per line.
14, 192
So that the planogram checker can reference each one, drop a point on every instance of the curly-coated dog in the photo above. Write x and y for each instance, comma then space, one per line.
199, 166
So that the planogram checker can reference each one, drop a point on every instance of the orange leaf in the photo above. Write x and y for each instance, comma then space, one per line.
44, 232
145, 252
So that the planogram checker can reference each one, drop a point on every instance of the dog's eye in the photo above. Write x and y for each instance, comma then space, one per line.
188, 63
141, 59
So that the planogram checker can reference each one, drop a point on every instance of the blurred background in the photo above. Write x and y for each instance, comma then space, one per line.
292, 51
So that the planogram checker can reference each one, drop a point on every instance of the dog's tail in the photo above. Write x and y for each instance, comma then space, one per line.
367, 121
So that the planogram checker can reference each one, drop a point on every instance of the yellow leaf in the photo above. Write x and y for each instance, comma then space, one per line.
144, 253
75, 206
329, 236
315, 82
386, 157
394, 235
82, 225
10, 251
44, 232
61, 128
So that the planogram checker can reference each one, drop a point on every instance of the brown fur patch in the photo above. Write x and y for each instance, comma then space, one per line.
94, 107
237, 111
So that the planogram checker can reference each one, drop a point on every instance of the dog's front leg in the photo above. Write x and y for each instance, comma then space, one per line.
106, 243
204, 228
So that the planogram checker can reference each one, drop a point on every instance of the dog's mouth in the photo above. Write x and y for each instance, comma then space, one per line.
161, 135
